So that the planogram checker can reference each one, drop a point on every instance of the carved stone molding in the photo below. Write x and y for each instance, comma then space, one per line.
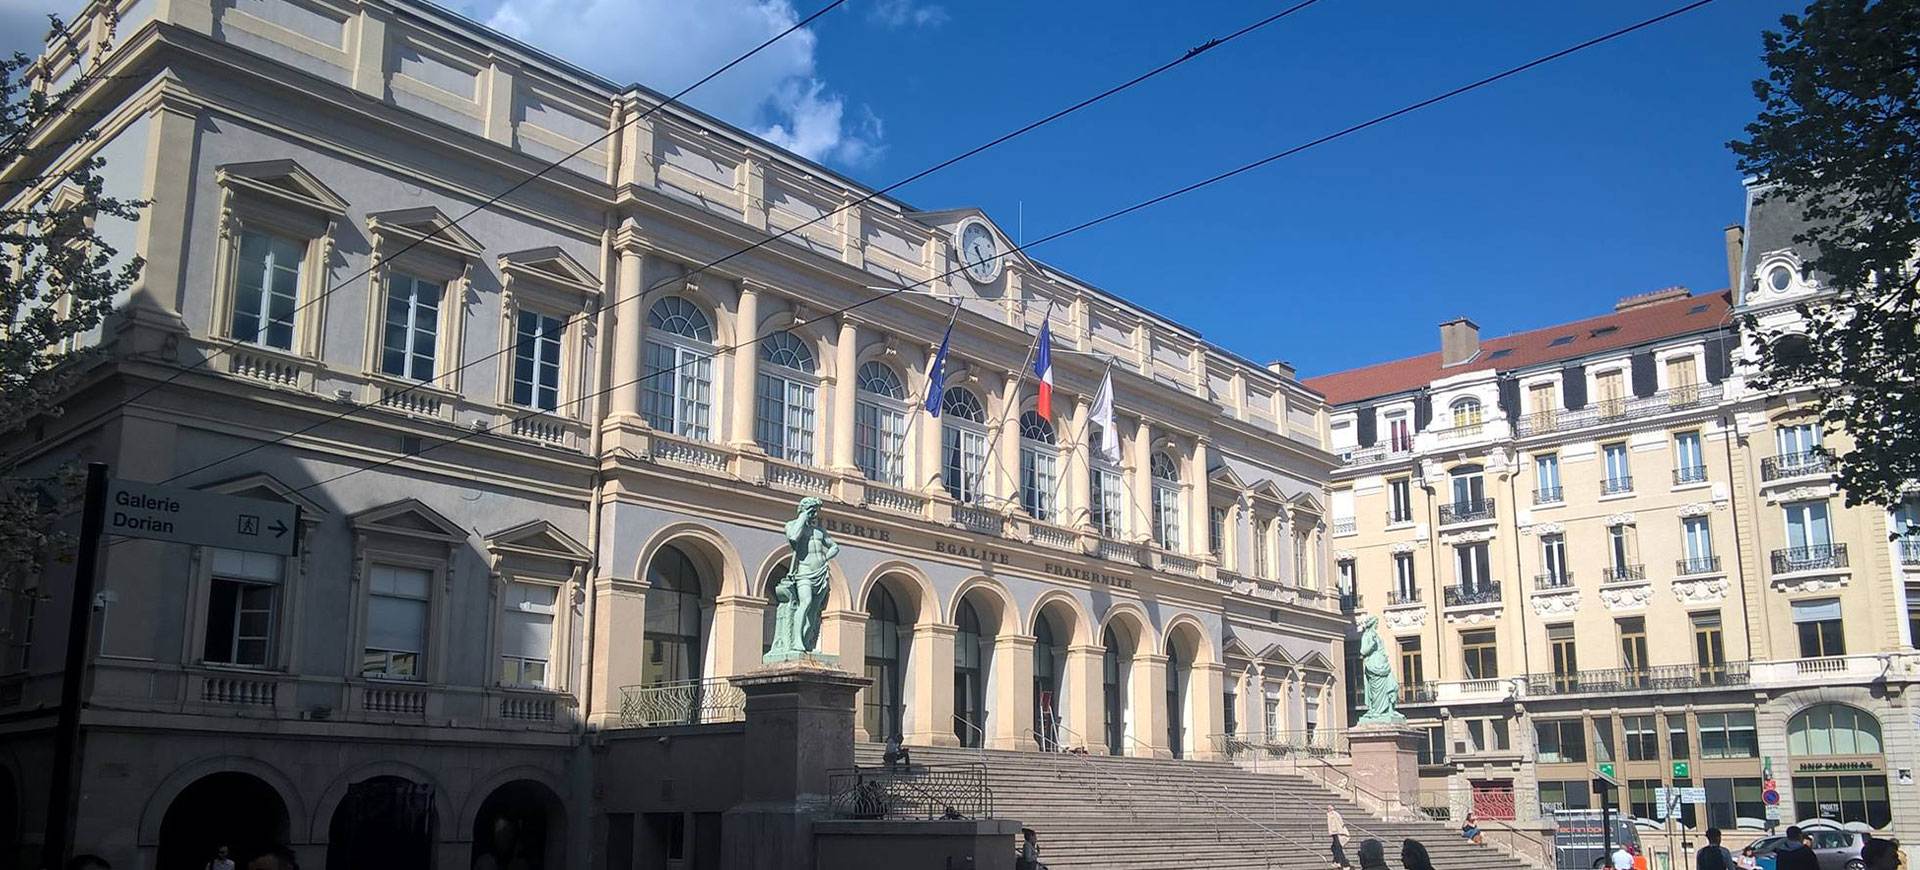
1343, 554
1705, 590
1557, 602
1474, 616
1549, 528
1696, 509
1619, 519
1403, 546
1472, 536
1627, 596
1811, 583
1404, 618
1801, 493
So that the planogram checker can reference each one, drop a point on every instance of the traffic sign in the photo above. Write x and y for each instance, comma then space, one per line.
1606, 770
1770, 798
1680, 770
209, 519
1693, 794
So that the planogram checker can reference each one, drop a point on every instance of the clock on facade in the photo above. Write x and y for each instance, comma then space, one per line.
979, 251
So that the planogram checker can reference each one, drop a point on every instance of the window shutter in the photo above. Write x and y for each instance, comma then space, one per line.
1366, 428
1645, 381
1422, 411
1718, 351
1510, 397
1573, 386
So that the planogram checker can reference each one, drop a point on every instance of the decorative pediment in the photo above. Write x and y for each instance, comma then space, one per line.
1266, 491
1304, 502
1228, 481
268, 488
409, 518
540, 539
1316, 661
1235, 648
283, 180
1274, 653
427, 227
552, 267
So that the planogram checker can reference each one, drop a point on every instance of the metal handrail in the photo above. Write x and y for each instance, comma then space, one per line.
1151, 752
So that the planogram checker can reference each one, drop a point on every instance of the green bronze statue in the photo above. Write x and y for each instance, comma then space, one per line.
1382, 691
802, 595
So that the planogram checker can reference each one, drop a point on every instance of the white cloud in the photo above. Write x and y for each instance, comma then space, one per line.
906, 13
669, 44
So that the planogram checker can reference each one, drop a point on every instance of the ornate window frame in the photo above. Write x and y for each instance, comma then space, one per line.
282, 198
550, 282
440, 251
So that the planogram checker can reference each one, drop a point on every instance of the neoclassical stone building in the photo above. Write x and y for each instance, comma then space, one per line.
543, 458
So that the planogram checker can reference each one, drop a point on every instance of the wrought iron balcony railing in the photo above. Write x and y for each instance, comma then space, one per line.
1689, 474
1802, 464
1466, 511
683, 702
910, 792
1616, 485
1553, 580
1821, 558
1548, 495
1659, 678
1419, 693
1350, 602
1403, 596
1616, 410
1623, 574
1697, 565
1479, 593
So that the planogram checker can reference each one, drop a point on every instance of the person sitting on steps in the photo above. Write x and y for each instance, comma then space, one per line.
896, 756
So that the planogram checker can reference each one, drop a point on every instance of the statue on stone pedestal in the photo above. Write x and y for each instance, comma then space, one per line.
1382, 692
802, 595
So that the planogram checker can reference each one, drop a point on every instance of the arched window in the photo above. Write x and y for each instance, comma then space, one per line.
969, 703
676, 387
1046, 685
1039, 466
1466, 411
880, 425
963, 443
674, 648
784, 411
1166, 500
1833, 729
1106, 489
883, 708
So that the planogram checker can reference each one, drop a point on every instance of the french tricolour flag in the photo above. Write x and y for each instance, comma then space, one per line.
1043, 369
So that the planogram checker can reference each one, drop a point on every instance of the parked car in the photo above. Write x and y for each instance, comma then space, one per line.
1835, 849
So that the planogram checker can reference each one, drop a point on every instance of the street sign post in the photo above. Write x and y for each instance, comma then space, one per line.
208, 519
1605, 785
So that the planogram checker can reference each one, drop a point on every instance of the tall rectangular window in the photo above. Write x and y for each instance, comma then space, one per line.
676, 387
1679, 747
1709, 650
1399, 434
242, 607
1559, 741
1469, 491
1682, 381
1643, 742
1633, 645
1553, 558
1472, 568
1546, 479
1400, 500
1618, 470
1610, 393
1346, 583
1698, 537
1689, 462
1728, 735
526, 633
1542, 404
1412, 667
266, 289
396, 622
1566, 661
1622, 555
1166, 515
410, 342
879, 447
1216, 530
1807, 528
1109, 512
783, 420
1818, 622
964, 452
1603, 750
1039, 480
1797, 444
1482, 661
1405, 587
536, 361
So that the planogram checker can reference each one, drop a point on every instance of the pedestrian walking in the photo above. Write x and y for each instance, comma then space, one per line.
1714, 856
1413, 855
221, 860
1622, 857
1880, 854
1373, 855
1029, 856
1794, 854
1337, 832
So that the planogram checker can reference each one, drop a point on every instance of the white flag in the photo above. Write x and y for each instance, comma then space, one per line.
1103, 414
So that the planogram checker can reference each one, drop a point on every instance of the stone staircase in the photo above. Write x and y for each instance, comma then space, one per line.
1162, 814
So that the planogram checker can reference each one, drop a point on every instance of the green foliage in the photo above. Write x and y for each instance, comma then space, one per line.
58, 282
1838, 137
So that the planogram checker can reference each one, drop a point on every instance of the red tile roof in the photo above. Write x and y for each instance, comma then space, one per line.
1638, 324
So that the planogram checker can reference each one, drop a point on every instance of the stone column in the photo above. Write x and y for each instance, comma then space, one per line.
1010, 718
846, 353
629, 315
1078, 509
799, 726
619, 623
737, 620
930, 686
1205, 691
1082, 700
1140, 494
746, 358
1202, 509
1147, 703
1006, 448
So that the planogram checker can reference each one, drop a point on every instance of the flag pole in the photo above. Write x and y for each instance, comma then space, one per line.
1013, 402
906, 435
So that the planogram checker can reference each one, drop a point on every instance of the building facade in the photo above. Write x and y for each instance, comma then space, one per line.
1598, 546
543, 458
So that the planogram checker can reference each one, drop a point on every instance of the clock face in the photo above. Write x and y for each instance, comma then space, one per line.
979, 252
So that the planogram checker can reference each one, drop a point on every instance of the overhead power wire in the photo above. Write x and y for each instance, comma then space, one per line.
704, 267
1085, 225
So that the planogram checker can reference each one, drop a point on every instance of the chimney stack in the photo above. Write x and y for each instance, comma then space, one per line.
1736, 254
1459, 341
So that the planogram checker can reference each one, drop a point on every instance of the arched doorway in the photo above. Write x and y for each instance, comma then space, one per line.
232, 809
678, 613
520, 826
969, 678
383, 823
1116, 664
1047, 665
1177, 672
1839, 766
884, 709
769, 608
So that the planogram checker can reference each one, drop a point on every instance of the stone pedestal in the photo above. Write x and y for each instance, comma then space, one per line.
1386, 761
799, 726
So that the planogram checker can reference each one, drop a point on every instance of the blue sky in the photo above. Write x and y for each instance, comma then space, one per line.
1538, 200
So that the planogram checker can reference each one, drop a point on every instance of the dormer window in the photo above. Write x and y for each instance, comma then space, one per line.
1780, 278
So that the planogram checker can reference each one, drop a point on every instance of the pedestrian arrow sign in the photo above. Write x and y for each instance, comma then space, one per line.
209, 519
1680, 769
1606, 769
